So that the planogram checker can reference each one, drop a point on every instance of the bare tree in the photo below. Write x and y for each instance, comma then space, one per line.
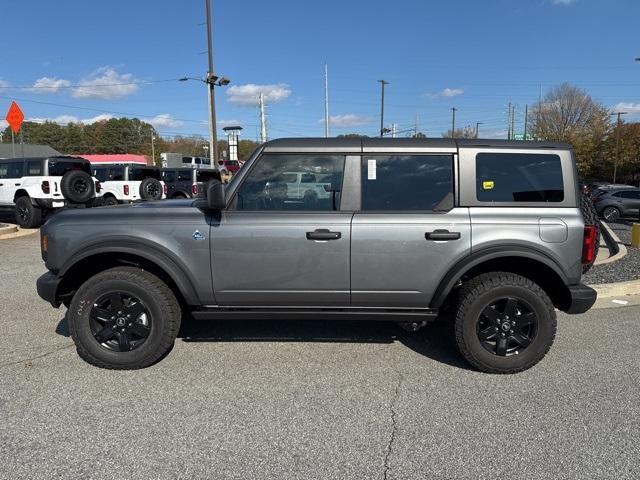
569, 114
466, 132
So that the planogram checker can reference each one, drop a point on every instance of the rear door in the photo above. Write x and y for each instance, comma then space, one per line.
408, 232
11, 177
630, 202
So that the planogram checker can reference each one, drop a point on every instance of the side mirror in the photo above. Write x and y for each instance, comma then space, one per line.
215, 195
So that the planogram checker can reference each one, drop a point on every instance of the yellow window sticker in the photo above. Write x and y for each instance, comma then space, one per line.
487, 184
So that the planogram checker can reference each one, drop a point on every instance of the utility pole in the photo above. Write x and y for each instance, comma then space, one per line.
615, 165
478, 128
509, 123
393, 130
513, 122
526, 117
153, 148
213, 135
326, 101
453, 122
263, 120
382, 84
415, 128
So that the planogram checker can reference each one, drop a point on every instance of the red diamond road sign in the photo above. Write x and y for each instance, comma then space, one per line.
15, 117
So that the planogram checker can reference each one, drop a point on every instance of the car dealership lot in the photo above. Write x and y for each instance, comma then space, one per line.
311, 400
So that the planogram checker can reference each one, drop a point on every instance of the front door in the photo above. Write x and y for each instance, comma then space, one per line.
276, 247
408, 233
11, 174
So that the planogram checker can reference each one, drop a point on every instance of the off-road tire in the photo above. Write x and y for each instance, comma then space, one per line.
109, 201
27, 214
77, 186
590, 216
153, 292
480, 292
151, 189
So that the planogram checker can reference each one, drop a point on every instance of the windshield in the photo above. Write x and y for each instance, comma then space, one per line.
139, 174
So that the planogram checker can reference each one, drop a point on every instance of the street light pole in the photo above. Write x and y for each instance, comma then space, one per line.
478, 128
382, 84
213, 135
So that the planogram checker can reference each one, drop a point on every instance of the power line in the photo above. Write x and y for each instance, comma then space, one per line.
85, 86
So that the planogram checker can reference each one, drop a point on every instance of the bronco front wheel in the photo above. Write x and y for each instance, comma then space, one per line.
124, 318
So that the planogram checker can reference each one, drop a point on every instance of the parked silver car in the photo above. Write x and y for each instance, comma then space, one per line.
616, 203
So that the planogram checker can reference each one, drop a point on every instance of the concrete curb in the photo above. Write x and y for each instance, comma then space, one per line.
6, 228
619, 289
16, 232
611, 237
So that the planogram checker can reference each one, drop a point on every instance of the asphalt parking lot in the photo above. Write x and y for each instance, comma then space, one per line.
311, 400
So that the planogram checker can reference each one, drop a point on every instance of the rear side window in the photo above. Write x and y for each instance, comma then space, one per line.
407, 182
34, 168
58, 167
205, 176
184, 176
169, 176
519, 177
102, 174
635, 194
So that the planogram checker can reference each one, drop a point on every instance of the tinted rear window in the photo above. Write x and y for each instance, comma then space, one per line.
139, 174
205, 176
58, 167
519, 177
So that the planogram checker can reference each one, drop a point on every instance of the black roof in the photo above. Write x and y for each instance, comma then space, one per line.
359, 143
46, 157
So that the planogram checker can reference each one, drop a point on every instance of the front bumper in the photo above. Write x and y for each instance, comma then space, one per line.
47, 286
582, 298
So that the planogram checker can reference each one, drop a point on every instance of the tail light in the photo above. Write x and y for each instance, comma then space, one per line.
194, 188
165, 189
98, 187
45, 187
126, 189
589, 244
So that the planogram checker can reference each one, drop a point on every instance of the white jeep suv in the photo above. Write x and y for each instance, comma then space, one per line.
126, 183
37, 186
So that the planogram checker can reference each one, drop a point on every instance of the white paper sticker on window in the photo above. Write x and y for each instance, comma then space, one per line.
371, 170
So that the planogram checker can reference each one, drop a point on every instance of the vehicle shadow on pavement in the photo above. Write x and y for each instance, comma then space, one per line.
433, 341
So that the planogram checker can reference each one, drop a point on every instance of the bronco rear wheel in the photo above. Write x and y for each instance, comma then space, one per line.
504, 323
124, 318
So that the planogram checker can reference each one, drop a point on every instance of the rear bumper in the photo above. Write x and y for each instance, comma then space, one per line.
582, 298
47, 286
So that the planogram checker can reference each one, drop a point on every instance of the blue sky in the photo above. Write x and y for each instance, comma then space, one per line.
91, 60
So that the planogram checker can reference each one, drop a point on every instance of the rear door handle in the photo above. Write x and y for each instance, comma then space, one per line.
442, 235
17, 184
323, 234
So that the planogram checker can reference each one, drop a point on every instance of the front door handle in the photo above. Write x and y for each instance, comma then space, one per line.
323, 234
442, 235
17, 184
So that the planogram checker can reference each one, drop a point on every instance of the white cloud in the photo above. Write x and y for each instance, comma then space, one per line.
3, 84
164, 120
346, 120
631, 108
248, 94
49, 85
3, 124
227, 123
66, 119
563, 2
106, 83
447, 92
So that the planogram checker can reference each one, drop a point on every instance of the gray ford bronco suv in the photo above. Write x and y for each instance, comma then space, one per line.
486, 234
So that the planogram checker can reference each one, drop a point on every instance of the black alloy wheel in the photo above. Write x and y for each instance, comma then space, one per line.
120, 322
507, 327
152, 189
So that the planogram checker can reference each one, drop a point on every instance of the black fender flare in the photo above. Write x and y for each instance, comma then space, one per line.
149, 251
490, 253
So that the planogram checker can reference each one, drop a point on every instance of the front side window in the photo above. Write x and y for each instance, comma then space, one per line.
407, 182
269, 185
169, 176
519, 177
116, 174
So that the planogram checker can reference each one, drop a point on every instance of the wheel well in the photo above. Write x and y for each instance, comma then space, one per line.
534, 270
20, 193
109, 194
86, 268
